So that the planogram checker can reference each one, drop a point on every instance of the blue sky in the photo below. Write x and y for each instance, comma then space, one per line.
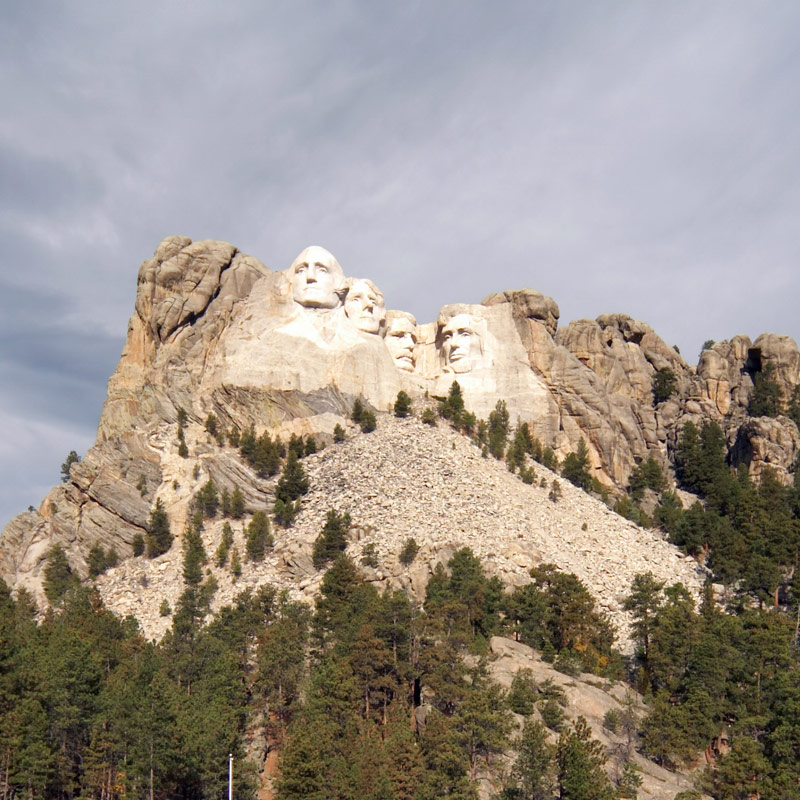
638, 157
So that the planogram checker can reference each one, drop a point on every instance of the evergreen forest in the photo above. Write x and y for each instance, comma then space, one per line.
367, 695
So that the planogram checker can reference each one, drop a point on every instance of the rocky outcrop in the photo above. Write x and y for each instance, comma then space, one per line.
215, 331
590, 699
766, 443
406, 480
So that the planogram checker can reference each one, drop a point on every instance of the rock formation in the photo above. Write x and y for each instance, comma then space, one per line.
215, 331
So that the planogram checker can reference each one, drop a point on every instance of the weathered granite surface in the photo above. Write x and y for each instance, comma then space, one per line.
214, 330
405, 479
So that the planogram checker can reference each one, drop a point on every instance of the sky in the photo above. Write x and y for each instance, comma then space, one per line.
635, 157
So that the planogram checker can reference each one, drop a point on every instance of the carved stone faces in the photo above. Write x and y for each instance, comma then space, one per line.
365, 306
316, 278
461, 343
401, 339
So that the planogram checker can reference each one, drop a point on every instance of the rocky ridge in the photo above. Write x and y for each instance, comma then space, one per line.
407, 479
216, 331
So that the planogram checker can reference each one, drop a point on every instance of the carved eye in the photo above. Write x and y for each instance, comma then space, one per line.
448, 335
321, 267
301, 268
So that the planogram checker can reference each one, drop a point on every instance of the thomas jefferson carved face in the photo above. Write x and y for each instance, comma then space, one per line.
461, 343
364, 305
401, 338
316, 278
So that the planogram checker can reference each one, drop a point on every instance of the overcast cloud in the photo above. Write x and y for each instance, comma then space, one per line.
619, 156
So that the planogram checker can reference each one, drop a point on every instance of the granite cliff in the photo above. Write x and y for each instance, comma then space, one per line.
214, 331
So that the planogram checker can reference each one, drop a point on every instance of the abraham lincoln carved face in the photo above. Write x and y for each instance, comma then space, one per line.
461, 343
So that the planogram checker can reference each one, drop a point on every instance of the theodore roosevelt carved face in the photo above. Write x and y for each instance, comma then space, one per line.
401, 339
365, 306
317, 279
461, 343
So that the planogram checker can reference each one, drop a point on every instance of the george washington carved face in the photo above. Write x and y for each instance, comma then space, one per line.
365, 306
317, 279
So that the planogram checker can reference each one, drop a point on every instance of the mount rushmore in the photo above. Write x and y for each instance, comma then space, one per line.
215, 331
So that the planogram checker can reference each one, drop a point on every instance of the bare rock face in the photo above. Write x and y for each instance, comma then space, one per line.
215, 331
529, 304
588, 698
766, 443
780, 351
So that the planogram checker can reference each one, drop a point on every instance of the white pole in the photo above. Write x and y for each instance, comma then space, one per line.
230, 776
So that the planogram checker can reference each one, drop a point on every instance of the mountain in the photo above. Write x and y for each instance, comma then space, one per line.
217, 335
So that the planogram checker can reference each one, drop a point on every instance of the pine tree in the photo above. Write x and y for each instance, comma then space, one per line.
644, 602
340, 584
247, 444
208, 499
576, 467
58, 575
549, 459
533, 769
281, 660
159, 536
405, 767
285, 512
72, 458
629, 782
237, 503
646, 475
429, 416
688, 456
402, 405
483, 723
409, 551
225, 503
522, 695
580, 760
296, 445
293, 482
225, 544
452, 408
96, 560
259, 537
767, 399
498, 429
194, 557
332, 540
446, 762
664, 382
368, 422
236, 563
311, 767
138, 545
